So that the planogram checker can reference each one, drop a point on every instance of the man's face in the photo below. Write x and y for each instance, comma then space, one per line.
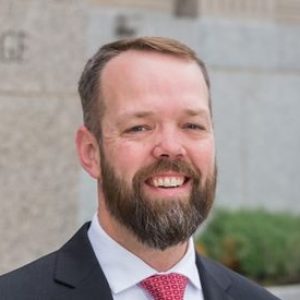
157, 147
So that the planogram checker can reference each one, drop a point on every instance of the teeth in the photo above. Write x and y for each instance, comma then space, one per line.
168, 181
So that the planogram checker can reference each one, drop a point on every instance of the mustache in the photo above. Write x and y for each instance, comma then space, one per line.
166, 164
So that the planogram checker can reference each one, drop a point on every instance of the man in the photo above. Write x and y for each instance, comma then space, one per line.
148, 141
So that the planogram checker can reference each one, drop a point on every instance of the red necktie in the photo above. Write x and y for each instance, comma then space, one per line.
165, 287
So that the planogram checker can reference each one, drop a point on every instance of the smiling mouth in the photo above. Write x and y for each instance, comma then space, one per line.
167, 182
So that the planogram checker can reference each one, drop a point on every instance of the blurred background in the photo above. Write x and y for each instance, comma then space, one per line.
252, 50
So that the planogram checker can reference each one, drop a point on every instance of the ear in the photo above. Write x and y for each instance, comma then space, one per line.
88, 152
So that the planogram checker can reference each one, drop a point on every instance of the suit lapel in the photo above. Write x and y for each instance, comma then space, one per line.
214, 283
78, 270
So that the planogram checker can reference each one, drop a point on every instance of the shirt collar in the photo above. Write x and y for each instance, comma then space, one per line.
117, 262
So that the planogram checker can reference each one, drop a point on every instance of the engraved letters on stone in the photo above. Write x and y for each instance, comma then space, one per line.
12, 46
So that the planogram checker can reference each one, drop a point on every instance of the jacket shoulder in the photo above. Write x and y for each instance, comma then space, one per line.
53, 276
30, 279
236, 285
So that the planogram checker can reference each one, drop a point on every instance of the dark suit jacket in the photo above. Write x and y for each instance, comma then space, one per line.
73, 273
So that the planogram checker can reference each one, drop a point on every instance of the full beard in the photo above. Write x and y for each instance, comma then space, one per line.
158, 223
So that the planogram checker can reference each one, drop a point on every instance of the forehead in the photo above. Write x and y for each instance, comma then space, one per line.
136, 60
146, 73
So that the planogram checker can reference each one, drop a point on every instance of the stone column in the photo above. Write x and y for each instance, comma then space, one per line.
41, 55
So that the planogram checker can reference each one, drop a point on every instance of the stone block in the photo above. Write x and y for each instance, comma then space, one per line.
41, 45
39, 175
255, 85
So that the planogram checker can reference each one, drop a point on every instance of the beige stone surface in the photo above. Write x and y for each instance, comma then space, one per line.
274, 10
42, 51
166, 5
39, 174
41, 45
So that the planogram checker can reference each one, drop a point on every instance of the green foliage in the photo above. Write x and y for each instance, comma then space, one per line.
263, 246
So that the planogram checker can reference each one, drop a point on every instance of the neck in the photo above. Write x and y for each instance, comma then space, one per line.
160, 260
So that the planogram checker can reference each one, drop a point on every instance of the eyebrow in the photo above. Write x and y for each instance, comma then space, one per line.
141, 114
202, 113
196, 112
137, 114
144, 114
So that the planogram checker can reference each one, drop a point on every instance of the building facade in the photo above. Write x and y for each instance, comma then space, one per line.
252, 49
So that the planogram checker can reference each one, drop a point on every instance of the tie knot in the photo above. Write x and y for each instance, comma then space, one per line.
165, 287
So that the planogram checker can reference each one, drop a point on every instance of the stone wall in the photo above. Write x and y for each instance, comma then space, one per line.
255, 70
156, 5
41, 55
264, 10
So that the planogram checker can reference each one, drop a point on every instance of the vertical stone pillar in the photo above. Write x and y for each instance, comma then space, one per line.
187, 8
41, 55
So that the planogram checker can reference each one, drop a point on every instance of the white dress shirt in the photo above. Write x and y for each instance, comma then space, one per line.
124, 270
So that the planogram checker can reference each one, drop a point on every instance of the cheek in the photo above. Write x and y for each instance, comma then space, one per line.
204, 157
126, 158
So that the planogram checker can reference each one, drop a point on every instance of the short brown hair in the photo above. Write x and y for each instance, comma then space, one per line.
89, 84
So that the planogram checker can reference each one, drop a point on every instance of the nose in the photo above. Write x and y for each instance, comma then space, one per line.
168, 145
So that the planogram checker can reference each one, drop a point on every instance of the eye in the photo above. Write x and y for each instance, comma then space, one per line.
138, 128
194, 126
